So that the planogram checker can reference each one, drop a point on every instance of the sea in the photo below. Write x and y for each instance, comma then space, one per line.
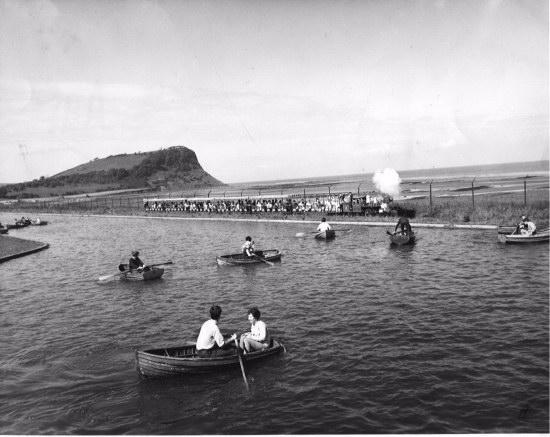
449, 335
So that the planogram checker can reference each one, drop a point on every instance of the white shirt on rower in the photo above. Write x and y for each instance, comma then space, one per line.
209, 335
323, 226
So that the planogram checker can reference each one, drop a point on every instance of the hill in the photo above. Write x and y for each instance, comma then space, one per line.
173, 168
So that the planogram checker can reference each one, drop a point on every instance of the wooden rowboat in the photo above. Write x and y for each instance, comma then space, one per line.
329, 234
539, 237
17, 225
238, 259
402, 238
39, 223
135, 275
183, 360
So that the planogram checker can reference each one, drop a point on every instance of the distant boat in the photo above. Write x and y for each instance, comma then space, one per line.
325, 235
402, 238
513, 238
140, 275
38, 222
242, 259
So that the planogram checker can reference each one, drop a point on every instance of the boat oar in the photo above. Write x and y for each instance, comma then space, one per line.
242, 365
389, 233
107, 277
263, 260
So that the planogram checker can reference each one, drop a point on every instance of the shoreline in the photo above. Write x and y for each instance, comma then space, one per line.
15, 247
334, 220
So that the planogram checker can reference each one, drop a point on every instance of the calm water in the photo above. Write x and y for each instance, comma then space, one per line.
450, 335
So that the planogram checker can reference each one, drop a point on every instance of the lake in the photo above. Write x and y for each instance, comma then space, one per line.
450, 335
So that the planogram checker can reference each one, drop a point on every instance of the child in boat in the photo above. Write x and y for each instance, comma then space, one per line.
258, 337
248, 247
323, 226
210, 342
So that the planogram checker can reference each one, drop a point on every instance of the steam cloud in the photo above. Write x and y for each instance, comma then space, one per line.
387, 181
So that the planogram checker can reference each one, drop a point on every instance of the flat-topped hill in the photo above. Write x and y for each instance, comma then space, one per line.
173, 168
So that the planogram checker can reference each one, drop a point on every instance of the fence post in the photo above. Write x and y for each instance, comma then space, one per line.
473, 202
431, 210
524, 192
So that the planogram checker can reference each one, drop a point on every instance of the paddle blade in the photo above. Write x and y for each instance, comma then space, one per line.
105, 278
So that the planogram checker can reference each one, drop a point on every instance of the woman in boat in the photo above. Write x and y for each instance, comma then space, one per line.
134, 263
248, 247
210, 342
526, 226
403, 222
323, 226
257, 338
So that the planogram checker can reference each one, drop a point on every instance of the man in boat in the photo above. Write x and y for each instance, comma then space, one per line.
258, 337
526, 226
210, 342
134, 263
323, 226
404, 224
248, 247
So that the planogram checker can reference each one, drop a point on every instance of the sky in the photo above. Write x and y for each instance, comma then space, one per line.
273, 89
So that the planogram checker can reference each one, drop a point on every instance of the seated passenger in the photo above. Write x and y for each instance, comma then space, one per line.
258, 337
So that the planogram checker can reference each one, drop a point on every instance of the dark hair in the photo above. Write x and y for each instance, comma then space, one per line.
215, 312
248, 238
323, 219
255, 312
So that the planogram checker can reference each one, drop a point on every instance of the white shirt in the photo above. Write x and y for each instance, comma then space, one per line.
209, 335
323, 226
258, 331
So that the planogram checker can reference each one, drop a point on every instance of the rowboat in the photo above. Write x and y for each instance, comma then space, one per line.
238, 259
513, 238
329, 234
183, 360
39, 223
17, 225
136, 275
402, 238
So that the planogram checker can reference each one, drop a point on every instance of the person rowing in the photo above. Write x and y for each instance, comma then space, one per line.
134, 263
404, 224
248, 247
324, 226
526, 226
210, 341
